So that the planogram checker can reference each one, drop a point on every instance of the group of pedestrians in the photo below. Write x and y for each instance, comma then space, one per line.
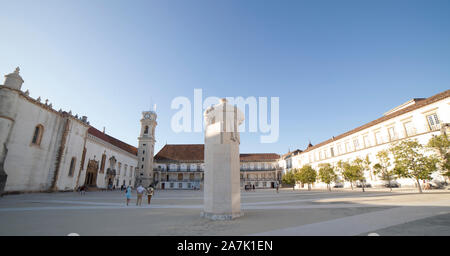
140, 191
252, 187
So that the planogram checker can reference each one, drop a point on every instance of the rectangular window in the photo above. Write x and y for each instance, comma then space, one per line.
409, 129
356, 144
378, 138
433, 122
347, 147
392, 133
339, 149
366, 141
332, 152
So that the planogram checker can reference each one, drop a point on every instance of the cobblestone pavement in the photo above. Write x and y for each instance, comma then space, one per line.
300, 212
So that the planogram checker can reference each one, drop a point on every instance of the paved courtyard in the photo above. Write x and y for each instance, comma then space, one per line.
343, 212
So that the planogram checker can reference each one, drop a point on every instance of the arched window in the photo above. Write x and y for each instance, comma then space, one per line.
37, 135
102, 165
72, 166
146, 130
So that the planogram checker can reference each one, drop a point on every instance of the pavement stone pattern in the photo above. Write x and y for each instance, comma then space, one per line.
177, 212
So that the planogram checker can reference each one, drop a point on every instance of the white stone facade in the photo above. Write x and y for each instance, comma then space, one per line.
417, 119
47, 150
124, 166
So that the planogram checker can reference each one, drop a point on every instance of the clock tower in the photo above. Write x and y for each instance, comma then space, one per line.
146, 149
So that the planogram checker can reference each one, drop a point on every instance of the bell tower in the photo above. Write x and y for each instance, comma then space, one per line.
146, 148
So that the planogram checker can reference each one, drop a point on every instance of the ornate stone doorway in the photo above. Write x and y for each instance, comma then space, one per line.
91, 174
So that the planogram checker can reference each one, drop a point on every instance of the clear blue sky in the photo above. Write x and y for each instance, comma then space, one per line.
334, 64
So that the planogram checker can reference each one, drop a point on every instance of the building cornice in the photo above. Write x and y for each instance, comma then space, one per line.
44, 106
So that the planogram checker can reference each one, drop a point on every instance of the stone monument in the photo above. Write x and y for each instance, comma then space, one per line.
222, 194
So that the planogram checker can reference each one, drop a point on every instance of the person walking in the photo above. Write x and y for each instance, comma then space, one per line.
83, 190
149, 193
128, 194
278, 186
140, 192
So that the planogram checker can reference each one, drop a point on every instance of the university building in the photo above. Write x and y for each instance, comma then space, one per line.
182, 167
43, 149
416, 119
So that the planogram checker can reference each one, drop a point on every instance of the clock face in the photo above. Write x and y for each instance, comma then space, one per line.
147, 116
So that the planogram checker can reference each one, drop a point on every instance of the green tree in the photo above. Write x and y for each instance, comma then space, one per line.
410, 162
289, 179
340, 169
344, 167
352, 172
382, 167
306, 175
327, 174
367, 165
358, 167
441, 145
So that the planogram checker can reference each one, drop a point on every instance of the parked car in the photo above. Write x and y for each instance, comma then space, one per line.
366, 185
248, 187
392, 185
338, 185
436, 185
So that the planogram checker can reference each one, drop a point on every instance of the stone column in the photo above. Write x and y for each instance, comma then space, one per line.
222, 195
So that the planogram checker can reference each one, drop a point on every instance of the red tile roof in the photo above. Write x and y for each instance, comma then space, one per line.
259, 157
181, 152
196, 152
113, 141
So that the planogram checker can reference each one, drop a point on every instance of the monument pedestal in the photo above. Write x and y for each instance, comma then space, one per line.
221, 191
212, 216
